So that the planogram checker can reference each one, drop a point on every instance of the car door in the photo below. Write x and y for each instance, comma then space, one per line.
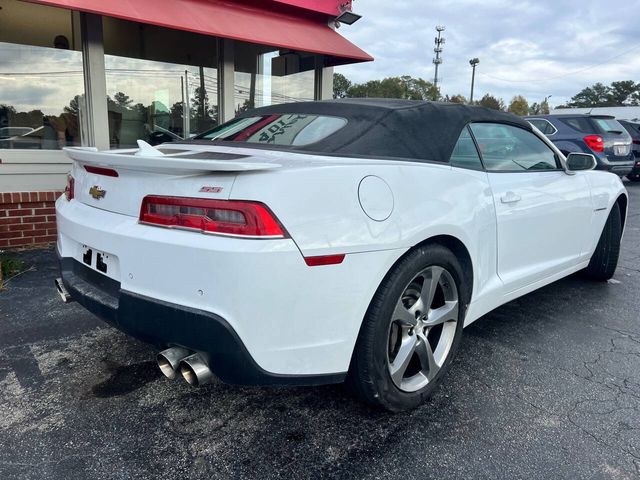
542, 213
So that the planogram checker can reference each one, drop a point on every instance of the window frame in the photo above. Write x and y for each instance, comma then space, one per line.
559, 163
483, 168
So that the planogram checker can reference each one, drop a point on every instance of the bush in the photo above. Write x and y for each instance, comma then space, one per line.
10, 265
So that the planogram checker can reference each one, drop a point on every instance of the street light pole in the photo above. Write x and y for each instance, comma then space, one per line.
473, 62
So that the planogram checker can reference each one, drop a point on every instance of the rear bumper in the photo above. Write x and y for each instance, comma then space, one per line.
292, 320
164, 325
620, 168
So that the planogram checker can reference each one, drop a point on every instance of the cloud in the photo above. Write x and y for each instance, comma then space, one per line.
531, 48
39, 78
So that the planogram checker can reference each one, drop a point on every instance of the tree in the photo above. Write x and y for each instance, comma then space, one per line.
175, 112
74, 105
544, 107
489, 101
341, 85
420, 89
122, 100
625, 92
598, 95
405, 87
519, 106
202, 113
618, 94
457, 99
246, 105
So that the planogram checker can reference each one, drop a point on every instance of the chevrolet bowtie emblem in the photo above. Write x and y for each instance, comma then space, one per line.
96, 192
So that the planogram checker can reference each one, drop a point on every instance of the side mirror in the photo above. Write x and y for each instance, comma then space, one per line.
581, 161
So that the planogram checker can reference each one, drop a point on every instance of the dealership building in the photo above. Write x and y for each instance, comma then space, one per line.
106, 73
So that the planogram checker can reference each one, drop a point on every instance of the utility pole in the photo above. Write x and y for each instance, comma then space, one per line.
473, 62
438, 50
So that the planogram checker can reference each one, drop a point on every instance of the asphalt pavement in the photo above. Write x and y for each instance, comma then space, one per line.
547, 386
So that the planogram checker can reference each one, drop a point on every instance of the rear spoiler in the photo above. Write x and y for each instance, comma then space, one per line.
150, 159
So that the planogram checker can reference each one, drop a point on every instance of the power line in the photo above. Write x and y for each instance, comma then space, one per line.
566, 74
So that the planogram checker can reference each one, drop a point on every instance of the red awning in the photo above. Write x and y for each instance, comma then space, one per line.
235, 20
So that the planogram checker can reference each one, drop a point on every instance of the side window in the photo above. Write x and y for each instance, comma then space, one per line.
543, 125
506, 148
580, 124
465, 154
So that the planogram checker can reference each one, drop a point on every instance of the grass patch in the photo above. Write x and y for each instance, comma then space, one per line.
10, 265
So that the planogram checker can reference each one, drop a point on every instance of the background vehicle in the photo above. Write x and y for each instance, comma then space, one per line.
634, 130
320, 242
8, 132
600, 135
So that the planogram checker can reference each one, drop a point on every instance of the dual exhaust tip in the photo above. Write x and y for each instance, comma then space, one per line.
62, 291
180, 361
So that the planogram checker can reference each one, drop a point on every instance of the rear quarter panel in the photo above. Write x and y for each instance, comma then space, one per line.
320, 208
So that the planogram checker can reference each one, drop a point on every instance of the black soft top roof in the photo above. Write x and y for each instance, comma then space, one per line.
412, 129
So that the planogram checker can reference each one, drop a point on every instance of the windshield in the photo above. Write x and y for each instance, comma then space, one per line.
279, 129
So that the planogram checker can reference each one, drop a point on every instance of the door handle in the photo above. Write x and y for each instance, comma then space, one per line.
510, 197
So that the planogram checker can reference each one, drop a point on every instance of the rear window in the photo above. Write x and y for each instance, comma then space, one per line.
294, 129
608, 125
594, 124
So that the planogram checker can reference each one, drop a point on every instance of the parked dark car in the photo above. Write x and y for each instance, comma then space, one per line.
634, 130
600, 135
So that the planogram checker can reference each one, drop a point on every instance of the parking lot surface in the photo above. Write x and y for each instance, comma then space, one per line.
547, 386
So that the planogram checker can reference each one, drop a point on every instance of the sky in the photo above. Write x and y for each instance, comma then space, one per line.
525, 48
535, 49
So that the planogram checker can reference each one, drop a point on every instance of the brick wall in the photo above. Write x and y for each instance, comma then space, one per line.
27, 218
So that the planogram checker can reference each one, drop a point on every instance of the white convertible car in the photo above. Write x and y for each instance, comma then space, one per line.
324, 242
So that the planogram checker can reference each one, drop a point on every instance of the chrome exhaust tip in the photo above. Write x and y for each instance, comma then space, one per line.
62, 291
169, 360
195, 370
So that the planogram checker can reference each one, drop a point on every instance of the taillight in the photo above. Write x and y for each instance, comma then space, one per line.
594, 142
69, 189
107, 172
222, 217
636, 142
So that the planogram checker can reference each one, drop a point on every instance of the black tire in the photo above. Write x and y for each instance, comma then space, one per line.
369, 377
634, 178
605, 258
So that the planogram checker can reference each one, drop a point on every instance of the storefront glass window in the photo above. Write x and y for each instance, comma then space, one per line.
161, 84
270, 77
41, 78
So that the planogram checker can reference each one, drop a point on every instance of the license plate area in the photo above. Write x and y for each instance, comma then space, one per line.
621, 150
103, 262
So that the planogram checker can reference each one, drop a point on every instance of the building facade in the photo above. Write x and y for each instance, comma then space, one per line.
104, 74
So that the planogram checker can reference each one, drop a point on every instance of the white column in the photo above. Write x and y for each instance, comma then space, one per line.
327, 84
323, 80
226, 67
95, 84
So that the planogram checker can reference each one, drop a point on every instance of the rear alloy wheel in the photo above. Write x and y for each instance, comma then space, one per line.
422, 330
411, 331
